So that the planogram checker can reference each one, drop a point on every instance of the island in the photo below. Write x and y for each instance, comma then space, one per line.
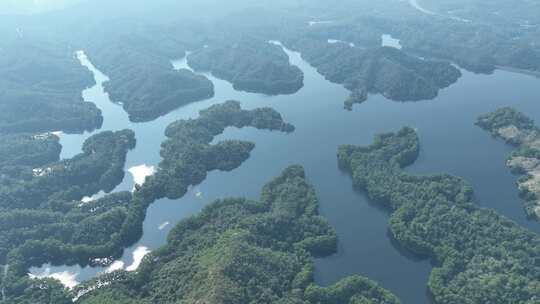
47, 217
99, 167
141, 75
241, 251
46, 212
251, 65
188, 153
478, 255
382, 70
520, 131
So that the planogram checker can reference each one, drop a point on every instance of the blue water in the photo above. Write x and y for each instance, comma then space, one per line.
450, 143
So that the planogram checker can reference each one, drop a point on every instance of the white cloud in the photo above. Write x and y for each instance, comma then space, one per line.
68, 279
138, 255
141, 172
117, 265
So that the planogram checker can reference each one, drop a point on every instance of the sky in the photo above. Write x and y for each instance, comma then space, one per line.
33, 6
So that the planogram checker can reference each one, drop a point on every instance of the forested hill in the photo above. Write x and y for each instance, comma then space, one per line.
519, 130
99, 167
479, 256
137, 61
40, 88
241, 251
380, 70
28, 150
252, 65
44, 217
45, 220
188, 153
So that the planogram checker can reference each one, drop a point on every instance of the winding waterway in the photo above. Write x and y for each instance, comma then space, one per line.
450, 143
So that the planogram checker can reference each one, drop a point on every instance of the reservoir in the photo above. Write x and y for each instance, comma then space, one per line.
450, 143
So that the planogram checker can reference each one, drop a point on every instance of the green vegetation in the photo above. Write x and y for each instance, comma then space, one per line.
476, 47
352, 290
42, 217
66, 232
40, 89
519, 13
41, 213
476, 35
99, 167
44, 221
188, 155
384, 70
141, 75
241, 251
28, 150
507, 119
251, 65
519, 130
42, 291
478, 255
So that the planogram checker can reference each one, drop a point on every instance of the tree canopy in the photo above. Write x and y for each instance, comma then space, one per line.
242, 251
478, 255
519, 130
250, 64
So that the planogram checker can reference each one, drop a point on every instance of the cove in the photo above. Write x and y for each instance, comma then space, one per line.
450, 142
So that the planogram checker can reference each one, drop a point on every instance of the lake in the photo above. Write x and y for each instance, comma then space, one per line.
450, 142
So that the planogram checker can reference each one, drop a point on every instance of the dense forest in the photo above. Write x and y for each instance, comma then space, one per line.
28, 150
473, 46
35, 203
40, 89
238, 250
519, 13
474, 34
42, 217
141, 76
519, 130
188, 153
478, 255
153, 88
383, 70
511, 36
99, 167
474, 42
74, 235
480, 44
47, 222
251, 65
241, 251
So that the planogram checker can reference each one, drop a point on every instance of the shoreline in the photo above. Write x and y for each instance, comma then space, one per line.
516, 70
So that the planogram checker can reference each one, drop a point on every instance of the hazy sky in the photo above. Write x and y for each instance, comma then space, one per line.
32, 6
